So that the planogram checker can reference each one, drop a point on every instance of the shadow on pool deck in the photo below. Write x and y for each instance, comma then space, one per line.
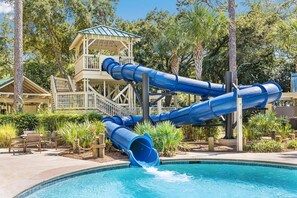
288, 155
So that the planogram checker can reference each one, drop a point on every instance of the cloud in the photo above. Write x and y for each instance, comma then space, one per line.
5, 8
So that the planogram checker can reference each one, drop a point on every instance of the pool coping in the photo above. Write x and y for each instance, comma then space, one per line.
231, 161
18, 176
65, 176
121, 165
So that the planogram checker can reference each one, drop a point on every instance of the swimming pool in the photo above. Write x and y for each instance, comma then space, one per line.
194, 179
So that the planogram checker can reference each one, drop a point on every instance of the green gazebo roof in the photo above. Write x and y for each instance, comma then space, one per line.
107, 31
5, 81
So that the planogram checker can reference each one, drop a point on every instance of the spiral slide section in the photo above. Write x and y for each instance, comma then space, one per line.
139, 148
257, 95
130, 72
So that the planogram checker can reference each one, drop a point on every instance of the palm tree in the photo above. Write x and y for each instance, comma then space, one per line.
202, 26
18, 55
232, 39
169, 46
175, 41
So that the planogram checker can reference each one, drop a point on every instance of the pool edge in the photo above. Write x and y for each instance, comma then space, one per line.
230, 161
246, 162
52, 180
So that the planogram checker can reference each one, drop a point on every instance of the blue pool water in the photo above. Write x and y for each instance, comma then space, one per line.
179, 180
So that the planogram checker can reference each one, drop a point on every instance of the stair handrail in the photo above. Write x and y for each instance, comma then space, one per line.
70, 83
111, 108
54, 92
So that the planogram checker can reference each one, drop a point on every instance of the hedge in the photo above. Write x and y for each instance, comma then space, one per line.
51, 121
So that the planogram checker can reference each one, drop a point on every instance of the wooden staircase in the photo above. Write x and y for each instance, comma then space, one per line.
65, 98
107, 106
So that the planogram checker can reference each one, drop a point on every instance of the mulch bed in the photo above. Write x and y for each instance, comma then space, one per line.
88, 155
202, 146
113, 154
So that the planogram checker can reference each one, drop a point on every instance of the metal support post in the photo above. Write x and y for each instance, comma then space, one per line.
239, 124
159, 104
229, 117
145, 98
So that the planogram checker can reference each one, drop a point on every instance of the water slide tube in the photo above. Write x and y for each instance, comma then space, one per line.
130, 72
139, 148
257, 95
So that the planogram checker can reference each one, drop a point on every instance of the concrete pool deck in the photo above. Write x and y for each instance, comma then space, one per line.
20, 172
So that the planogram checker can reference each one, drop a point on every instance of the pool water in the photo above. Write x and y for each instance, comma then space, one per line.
179, 180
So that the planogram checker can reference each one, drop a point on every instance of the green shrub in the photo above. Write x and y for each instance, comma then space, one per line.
23, 121
50, 121
145, 127
166, 137
265, 146
193, 133
263, 124
292, 144
202, 132
41, 130
92, 116
97, 127
85, 132
7, 131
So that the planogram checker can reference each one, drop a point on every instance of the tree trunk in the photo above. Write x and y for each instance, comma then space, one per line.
18, 56
232, 39
175, 70
198, 59
175, 63
296, 64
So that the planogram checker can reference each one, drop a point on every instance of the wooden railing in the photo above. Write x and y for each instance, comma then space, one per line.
125, 60
93, 62
79, 64
107, 106
87, 62
153, 110
90, 100
70, 100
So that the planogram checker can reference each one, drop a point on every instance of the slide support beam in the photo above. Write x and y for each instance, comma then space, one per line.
145, 98
229, 117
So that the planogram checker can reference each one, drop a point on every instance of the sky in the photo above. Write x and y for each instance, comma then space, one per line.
5, 8
136, 9
126, 9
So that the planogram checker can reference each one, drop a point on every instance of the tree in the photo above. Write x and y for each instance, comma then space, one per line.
151, 29
286, 35
51, 25
39, 70
202, 26
6, 49
170, 44
47, 33
256, 44
176, 40
232, 39
18, 55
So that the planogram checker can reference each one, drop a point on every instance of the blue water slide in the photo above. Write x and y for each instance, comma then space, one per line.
257, 95
130, 72
139, 148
